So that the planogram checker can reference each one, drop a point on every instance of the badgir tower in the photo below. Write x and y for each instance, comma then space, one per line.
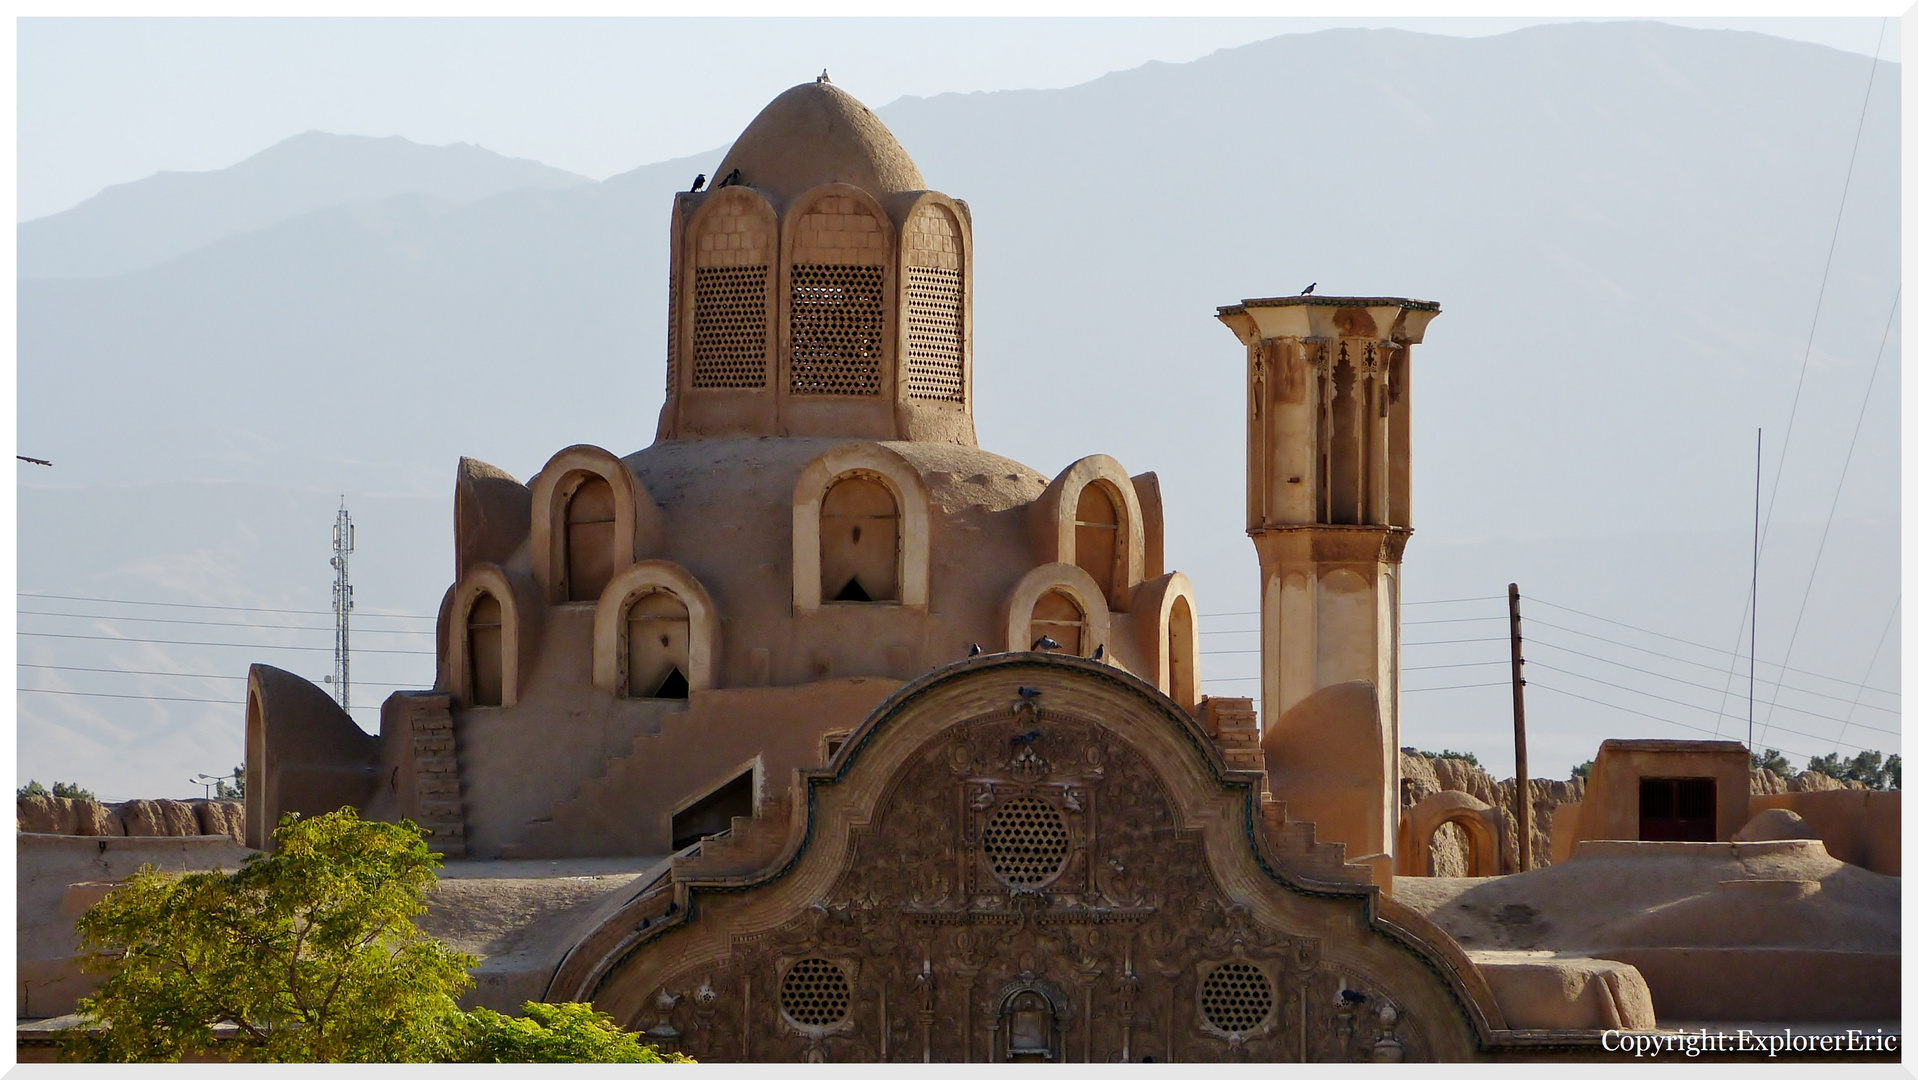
896, 749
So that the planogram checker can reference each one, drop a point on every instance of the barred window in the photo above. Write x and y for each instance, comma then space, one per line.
1236, 997
838, 328
935, 334
815, 993
729, 328
672, 336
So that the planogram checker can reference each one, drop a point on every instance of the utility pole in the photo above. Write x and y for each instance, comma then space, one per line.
1751, 668
342, 607
1524, 784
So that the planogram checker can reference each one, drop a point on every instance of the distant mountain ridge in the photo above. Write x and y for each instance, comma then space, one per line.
144, 223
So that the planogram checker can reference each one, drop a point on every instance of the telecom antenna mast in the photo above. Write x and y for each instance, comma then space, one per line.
342, 607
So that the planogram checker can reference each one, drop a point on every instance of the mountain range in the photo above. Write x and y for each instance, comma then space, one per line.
1627, 225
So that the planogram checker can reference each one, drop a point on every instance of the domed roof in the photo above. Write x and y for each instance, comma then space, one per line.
817, 134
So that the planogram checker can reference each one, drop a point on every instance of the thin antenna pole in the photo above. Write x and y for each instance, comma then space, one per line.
342, 607
1524, 784
1751, 679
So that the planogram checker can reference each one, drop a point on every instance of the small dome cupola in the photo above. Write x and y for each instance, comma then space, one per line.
818, 288
817, 134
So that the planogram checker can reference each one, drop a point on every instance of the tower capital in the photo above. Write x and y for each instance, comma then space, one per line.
1325, 318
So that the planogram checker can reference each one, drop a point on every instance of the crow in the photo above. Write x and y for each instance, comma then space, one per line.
1307, 291
1046, 643
1099, 653
729, 180
1351, 997
698, 182
1028, 692
1027, 739
973, 649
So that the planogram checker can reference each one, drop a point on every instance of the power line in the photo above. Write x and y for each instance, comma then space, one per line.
208, 622
1683, 641
1890, 621
165, 674
1466, 686
219, 607
1435, 667
1692, 663
220, 644
1700, 686
1673, 701
1452, 641
151, 697
1819, 556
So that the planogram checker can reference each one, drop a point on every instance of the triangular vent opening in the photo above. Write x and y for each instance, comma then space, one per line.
852, 593
672, 686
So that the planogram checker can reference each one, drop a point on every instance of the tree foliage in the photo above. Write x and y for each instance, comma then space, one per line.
61, 790
235, 790
1867, 767
306, 954
1457, 755
1775, 763
570, 1032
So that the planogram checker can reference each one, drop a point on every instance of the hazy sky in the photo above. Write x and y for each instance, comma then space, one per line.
108, 100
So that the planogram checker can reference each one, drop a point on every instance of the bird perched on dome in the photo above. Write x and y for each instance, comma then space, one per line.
973, 649
1046, 644
1307, 291
698, 182
729, 179
823, 77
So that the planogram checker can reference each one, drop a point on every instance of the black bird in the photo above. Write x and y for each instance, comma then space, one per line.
1352, 997
973, 649
1027, 739
1028, 692
1307, 291
1099, 653
729, 180
698, 182
1046, 643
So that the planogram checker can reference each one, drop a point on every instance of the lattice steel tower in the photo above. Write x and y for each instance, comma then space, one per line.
342, 607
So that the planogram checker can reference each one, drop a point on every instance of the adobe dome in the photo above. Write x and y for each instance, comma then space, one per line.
816, 133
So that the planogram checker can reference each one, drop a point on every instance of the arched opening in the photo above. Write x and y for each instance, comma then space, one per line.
1096, 543
1452, 851
589, 539
1183, 686
1058, 616
658, 640
858, 542
1029, 1024
485, 657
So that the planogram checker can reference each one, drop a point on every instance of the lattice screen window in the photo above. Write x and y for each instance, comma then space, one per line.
1025, 842
1236, 997
935, 334
838, 327
729, 328
814, 993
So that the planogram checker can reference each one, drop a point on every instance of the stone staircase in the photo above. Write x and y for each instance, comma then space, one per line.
749, 846
1294, 847
436, 772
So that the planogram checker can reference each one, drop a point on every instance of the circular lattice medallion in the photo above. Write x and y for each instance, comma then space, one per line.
814, 993
1025, 842
1236, 997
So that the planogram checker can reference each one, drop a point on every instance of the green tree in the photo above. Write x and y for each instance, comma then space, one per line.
1583, 772
61, 790
1775, 763
570, 1031
308, 953
235, 790
1457, 755
1867, 767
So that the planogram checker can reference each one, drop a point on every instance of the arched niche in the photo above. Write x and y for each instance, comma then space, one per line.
484, 611
840, 312
1479, 820
1024, 605
1091, 514
636, 524
732, 241
935, 250
613, 621
871, 463
1167, 614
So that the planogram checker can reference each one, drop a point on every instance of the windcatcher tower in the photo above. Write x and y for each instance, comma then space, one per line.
1329, 506
818, 289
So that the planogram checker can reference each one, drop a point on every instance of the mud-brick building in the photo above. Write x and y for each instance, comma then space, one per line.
815, 731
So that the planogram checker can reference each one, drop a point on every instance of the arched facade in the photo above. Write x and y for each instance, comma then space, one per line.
870, 463
935, 248
1103, 526
838, 272
1139, 914
634, 519
1037, 595
467, 674
1479, 820
612, 626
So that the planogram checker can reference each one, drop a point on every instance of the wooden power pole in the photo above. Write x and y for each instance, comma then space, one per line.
1524, 785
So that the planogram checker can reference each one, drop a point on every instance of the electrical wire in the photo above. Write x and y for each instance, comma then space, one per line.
1660, 697
221, 607
205, 622
150, 697
1681, 641
1890, 621
175, 674
221, 644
